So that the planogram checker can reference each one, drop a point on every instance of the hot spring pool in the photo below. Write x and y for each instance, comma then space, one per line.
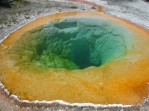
72, 43
77, 57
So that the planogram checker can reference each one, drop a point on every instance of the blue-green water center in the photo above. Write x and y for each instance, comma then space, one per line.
71, 43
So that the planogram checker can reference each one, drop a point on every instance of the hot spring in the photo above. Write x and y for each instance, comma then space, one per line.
77, 57
71, 43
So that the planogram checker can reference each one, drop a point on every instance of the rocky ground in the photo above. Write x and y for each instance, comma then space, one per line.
23, 12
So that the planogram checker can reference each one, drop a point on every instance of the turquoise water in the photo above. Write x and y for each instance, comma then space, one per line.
71, 43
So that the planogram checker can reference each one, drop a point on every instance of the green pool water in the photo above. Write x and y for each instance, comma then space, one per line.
71, 43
